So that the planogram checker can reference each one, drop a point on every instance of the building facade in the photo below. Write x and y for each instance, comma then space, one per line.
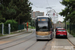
54, 15
36, 13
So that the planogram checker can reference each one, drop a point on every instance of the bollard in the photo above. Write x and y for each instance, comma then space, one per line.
8, 28
2, 29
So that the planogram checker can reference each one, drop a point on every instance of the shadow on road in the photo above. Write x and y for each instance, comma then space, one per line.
61, 38
45, 40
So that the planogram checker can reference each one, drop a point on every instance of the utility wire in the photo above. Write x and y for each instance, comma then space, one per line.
38, 6
41, 7
47, 2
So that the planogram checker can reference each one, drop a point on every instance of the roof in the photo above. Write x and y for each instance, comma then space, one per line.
42, 16
60, 28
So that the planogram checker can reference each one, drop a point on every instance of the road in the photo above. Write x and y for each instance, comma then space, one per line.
28, 42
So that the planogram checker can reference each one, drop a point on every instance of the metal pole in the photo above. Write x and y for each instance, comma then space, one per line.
65, 24
70, 26
2, 29
9, 28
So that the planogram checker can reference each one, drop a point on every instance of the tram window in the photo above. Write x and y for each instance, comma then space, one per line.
38, 19
42, 19
43, 26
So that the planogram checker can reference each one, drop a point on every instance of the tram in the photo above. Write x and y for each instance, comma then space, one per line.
43, 28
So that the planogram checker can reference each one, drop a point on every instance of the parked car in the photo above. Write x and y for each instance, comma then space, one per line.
57, 28
61, 32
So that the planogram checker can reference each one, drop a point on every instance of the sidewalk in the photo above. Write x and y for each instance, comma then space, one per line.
71, 39
12, 35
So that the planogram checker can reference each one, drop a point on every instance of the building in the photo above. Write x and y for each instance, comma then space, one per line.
54, 15
37, 13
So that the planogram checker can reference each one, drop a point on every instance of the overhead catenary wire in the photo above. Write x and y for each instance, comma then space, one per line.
47, 5
38, 6
41, 6
47, 2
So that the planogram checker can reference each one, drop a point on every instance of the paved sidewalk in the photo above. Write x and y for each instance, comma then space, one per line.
71, 39
11, 35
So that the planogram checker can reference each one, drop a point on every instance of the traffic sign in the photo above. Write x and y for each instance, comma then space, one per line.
27, 23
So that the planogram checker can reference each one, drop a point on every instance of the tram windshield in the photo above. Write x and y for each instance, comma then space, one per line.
43, 26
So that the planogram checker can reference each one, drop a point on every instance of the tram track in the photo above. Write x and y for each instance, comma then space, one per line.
18, 39
31, 36
31, 46
17, 34
16, 42
36, 43
45, 46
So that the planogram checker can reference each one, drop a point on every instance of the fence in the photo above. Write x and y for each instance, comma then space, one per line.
72, 26
5, 29
20, 27
0, 28
13, 27
71, 29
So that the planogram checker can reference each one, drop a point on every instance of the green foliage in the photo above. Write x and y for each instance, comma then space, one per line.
32, 23
10, 22
69, 14
69, 11
11, 11
67, 23
73, 32
72, 29
18, 10
32, 27
13, 23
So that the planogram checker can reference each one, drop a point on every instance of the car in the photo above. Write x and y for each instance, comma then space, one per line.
57, 28
61, 32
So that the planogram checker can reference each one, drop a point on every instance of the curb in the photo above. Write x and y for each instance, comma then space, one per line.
8, 36
72, 43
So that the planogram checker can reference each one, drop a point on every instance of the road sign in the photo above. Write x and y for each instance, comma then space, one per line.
27, 26
27, 23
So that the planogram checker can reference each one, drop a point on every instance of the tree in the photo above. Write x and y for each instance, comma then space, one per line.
18, 10
23, 10
69, 11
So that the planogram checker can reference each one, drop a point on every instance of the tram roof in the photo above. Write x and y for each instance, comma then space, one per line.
42, 16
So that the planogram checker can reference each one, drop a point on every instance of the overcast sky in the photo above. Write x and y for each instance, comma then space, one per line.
40, 5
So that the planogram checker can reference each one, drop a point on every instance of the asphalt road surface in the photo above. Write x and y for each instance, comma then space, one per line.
28, 42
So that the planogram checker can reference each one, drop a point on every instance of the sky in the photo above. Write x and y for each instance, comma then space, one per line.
41, 5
